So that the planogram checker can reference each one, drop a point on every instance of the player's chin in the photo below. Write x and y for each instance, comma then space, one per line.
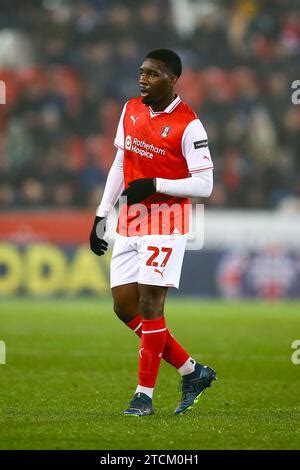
146, 99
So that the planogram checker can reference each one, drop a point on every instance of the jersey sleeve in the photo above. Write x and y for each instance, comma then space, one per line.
199, 185
113, 187
195, 147
119, 139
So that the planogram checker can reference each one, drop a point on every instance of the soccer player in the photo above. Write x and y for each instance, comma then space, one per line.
162, 159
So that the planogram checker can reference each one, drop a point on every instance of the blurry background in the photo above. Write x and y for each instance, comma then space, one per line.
69, 66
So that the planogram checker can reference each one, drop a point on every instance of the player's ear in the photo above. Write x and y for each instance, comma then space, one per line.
173, 80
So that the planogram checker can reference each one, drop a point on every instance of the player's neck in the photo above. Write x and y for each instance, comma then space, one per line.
164, 103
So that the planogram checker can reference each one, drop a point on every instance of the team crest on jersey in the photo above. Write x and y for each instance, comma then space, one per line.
165, 131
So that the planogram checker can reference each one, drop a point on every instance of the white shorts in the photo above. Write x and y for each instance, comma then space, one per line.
148, 259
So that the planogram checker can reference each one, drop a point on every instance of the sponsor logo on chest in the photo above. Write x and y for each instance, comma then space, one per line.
142, 148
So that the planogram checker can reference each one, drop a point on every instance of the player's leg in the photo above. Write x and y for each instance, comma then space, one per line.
124, 274
160, 265
126, 303
127, 308
125, 268
161, 258
153, 338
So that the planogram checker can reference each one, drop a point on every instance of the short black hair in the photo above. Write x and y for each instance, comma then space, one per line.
171, 60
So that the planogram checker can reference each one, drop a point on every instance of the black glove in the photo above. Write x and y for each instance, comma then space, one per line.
97, 244
138, 190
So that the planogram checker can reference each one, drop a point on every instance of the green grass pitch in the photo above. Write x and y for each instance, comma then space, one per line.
72, 368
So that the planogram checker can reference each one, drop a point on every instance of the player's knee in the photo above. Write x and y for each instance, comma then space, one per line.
123, 312
120, 311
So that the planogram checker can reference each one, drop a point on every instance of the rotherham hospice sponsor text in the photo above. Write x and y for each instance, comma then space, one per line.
142, 148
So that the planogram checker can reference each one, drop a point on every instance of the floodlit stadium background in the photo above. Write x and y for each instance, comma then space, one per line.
67, 69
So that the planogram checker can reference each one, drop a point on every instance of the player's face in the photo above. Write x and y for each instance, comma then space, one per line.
156, 83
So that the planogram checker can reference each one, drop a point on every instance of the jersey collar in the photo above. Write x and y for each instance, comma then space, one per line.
169, 109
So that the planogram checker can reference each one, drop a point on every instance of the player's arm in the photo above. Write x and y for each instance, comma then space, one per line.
112, 191
198, 185
113, 187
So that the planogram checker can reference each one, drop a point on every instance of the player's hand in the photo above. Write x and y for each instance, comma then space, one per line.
97, 244
138, 190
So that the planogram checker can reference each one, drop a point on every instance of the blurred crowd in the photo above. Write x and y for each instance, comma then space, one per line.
69, 66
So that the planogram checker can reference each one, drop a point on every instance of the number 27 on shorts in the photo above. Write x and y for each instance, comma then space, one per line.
155, 253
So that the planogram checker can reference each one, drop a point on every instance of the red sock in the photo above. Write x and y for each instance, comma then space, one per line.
151, 350
173, 353
136, 325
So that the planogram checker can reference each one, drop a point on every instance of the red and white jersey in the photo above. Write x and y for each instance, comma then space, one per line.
170, 144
